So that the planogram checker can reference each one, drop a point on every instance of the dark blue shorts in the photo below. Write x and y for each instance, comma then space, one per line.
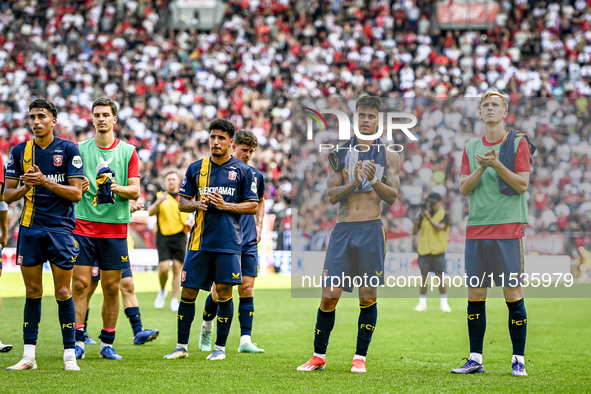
201, 269
249, 261
35, 247
96, 272
503, 258
355, 249
108, 253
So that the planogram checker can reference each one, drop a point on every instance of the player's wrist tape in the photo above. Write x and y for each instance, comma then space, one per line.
373, 181
3, 206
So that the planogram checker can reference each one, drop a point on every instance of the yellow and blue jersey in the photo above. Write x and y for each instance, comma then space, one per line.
59, 162
247, 222
215, 230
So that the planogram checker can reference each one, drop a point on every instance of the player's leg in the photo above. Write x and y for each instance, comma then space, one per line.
132, 310
3, 347
110, 283
196, 274
96, 276
163, 268
33, 278
227, 274
62, 279
210, 312
438, 267
249, 265
476, 269
424, 266
177, 267
82, 278
511, 251
368, 317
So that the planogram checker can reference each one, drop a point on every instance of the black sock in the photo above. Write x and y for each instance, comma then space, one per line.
246, 315
185, 317
135, 319
31, 320
517, 326
476, 325
86, 320
107, 337
368, 316
67, 317
211, 308
324, 325
225, 314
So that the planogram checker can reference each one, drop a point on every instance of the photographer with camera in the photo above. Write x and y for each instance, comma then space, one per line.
434, 224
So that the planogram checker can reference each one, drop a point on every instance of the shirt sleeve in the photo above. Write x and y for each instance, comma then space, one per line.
465, 164
13, 170
188, 187
261, 185
522, 156
248, 187
133, 171
74, 167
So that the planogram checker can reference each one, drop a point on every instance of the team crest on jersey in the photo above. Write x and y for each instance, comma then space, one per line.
95, 271
232, 175
184, 276
10, 160
58, 160
324, 275
19, 261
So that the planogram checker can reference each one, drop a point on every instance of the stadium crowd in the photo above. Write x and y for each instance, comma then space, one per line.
170, 84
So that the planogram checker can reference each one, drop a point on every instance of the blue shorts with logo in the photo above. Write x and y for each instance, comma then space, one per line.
108, 253
96, 272
249, 261
35, 247
355, 249
503, 258
202, 268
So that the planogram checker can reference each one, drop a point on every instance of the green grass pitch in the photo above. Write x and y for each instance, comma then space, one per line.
410, 352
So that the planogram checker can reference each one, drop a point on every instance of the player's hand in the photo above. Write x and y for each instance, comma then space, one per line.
85, 185
258, 235
33, 177
490, 159
369, 169
202, 205
135, 206
358, 174
3, 240
218, 201
114, 186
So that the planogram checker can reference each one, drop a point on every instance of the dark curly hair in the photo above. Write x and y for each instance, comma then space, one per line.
369, 102
224, 125
45, 104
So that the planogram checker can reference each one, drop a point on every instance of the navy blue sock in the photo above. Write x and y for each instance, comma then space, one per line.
135, 319
31, 320
517, 326
246, 315
476, 325
185, 317
80, 335
86, 321
67, 317
324, 325
211, 308
368, 316
225, 314
107, 337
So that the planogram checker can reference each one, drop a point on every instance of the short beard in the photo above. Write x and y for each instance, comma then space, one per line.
217, 154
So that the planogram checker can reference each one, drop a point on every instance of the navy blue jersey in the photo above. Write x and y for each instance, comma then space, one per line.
214, 230
247, 222
59, 162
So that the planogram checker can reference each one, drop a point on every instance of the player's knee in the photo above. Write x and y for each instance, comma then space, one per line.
111, 289
80, 286
328, 304
34, 290
189, 294
245, 291
224, 292
63, 293
367, 301
127, 286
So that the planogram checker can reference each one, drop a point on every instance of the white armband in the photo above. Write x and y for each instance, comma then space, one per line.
373, 181
3, 206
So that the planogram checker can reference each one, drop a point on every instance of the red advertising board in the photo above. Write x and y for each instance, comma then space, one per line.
473, 15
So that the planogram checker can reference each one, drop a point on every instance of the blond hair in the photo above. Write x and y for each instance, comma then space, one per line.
494, 94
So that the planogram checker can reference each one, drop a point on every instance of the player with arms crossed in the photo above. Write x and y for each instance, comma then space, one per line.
101, 228
244, 145
224, 189
51, 173
494, 231
358, 182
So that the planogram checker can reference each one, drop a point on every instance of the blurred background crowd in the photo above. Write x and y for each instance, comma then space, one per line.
171, 83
